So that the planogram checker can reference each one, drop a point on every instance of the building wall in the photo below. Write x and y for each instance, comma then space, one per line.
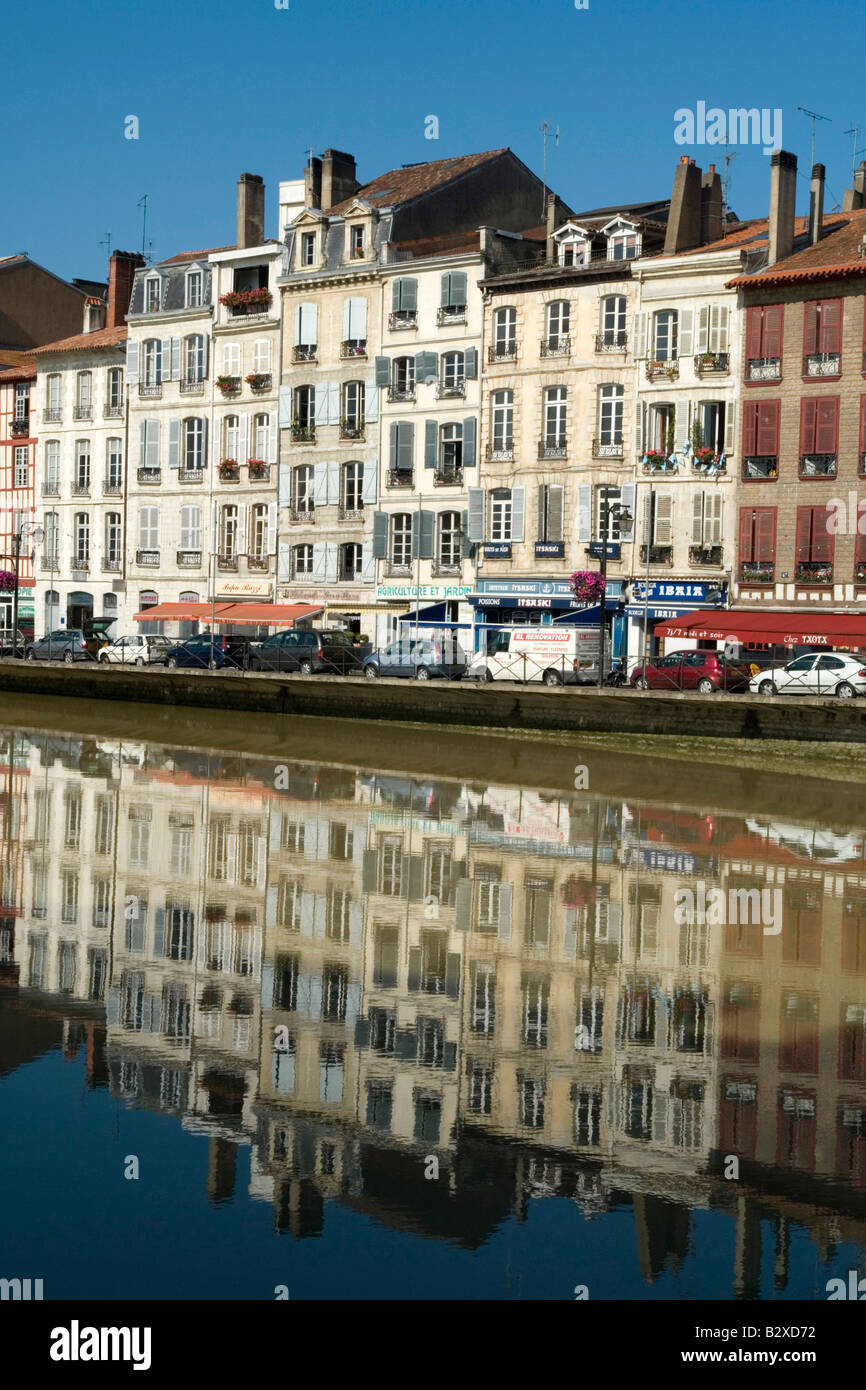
17, 492
36, 306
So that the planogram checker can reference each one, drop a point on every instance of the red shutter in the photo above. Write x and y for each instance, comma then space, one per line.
765, 535
746, 545
803, 543
754, 324
810, 327
750, 427
863, 417
808, 412
822, 540
767, 429
830, 338
827, 425
773, 314
860, 541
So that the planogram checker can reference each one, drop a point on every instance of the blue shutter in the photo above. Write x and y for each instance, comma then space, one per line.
431, 443
383, 371
380, 535
469, 430
405, 445
159, 933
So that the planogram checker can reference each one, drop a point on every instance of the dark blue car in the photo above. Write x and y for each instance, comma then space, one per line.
206, 653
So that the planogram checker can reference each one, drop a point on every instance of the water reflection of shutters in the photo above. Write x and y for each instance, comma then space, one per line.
320, 916
113, 1006
159, 933
353, 1004
405, 1044
452, 975
463, 904
315, 996
362, 1033
414, 978
416, 877
505, 904
271, 899
308, 908
449, 1056
356, 922
614, 921
267, 984
660, 1117
370, 876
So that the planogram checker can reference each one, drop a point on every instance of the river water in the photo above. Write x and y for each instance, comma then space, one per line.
357, 1012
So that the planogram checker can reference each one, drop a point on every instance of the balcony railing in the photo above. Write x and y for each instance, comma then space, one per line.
50, 563
82, 412
111, 488
447, 477
503, 455
50, 489
607, 448
113, 412
81, 563
52, 415
817, 465
229, 473
259, 472
658, 555
227, 562
19, 427
353, 347
712, 363
259, 563
81, 490
552, 448
111, 564
350, 514
303, 514
813, 572
556, 347
148, 558
403, 318
756, 572
188, 559
352, 431
451, 313
654, 461
502, 352
611, 342
446, 569
763, 369
304, 434
192, 386
396, 570
705, 555
450, 390
656, 370
400, 477
149, 475
304, 352
190, 475
259, 382
401, 393
760, 466
821, 364
152, 390
229, 385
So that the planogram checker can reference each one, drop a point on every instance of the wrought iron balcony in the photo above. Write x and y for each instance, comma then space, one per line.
113, 412
611, 342
227, 562
705, 555
50, 563
229, 385
82, 412
52, 415
192, 386
81, 490
817, 465
259, 382
442, 569
556, 346
190, 475
147, 558
351, 514
151, 390
448, 477
452, 390
20, 427
607, 448
303, 514
553, 448
400, 477
658, 555
305, 352
81, 563
656, 370
502, 455
258, 472
821, 364
760, 466
50, 489
502, 352
395, 571
188, 559
712, 363
303, 434
813, 572
401, 393
259, 563
763, 368
451, 313
756, 572
352, 431
111, 564
403, 318
149, 475
353, 347
111, 489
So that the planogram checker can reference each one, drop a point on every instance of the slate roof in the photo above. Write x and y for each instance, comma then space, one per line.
401, 185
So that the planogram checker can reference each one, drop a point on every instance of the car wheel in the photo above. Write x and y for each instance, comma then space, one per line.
139, 661
551, 678
641, 683
705, 686
422, 674
29, 656
488, 675
255, 664
767, 688
370, 672
306, 668
102, 659
68, 658
845, 691
171, 662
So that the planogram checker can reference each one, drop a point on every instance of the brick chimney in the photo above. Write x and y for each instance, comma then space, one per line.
816, 203
338, 178
313, 183
121, 273
684, 217
855, 197
251, 210
712, 228
783, 193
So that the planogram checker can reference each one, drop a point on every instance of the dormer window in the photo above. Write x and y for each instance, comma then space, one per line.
623, 240
356, 243
193, 289
573, 253
308, 248
151, 295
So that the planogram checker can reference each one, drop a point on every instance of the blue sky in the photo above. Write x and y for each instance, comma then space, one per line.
238, 84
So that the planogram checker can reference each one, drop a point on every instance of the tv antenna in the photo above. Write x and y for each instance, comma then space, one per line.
813, 117
728, 158
547, 133
106, 241
142, 203
855, 131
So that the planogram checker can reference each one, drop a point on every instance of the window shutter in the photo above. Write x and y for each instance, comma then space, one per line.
370, 481
684, 335
750, 428
767, 428
380, 535
627, 501
554, 513
175, 359
704, 328
476, 522
371, 401
286, 411
331, 562
320, 484
174, 443
723, 328
804, 533
458, 287
765, 535
132, 364
465, 543
273, 517
368, 563
639, 336
426, 368
299, 319
808, 412
242, 530
423, 529
159, 933
396, 289
142, 444
332, 393
713, 528
393, 442
469, 433
471, 364
405, 444
359, 318
822, 539
827, 424
584, 512
153, 431
319, 560
698, 518
730, 411
505, 911
347, 318
541, 517
773, 320
405, 295
754, 331
810, 327
383, 371
431, 443
273, 438
518, 513
321, 403
165, 360
332, 484
745, 542
663, 520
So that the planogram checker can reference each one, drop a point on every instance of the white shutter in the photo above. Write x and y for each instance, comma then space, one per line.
331, 549
174, 443
686, 319
333, 403
697, 518
359, 318
214, 528
322, 405
285, 407
165, 360
730, 411
663, 520
368, 563
627, 501
518, 513
555, 493
319, 560
477, 498
152, 455
719, 322
713, 512
639, 337
175, 359
205, 346
704, 328
584, 513
243, 438
216, 443
284, 562
660, 1117
371, 401
132, 364
241, 547
371, 481
332, 484
320, 484
273, 514
261, 355
273, 438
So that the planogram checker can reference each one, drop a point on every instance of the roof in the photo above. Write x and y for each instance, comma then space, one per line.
401, 185
16, 366
193, 255
834, 257
451, 244
83, 342
10, 260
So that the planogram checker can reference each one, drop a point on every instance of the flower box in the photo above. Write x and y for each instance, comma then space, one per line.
228, 469
246, 299
258, 468
258, 381
229, 385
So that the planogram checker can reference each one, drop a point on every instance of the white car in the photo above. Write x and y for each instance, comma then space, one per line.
817, 673
146, 649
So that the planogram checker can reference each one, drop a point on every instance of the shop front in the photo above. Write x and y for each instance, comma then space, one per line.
527, 602
662, 599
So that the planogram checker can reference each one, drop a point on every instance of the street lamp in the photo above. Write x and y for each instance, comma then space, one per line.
26, 531
623, 517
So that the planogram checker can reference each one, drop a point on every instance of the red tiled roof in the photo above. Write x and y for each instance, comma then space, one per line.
401, 185
81, 342
16, 366
834, 257
16, 357
196, 255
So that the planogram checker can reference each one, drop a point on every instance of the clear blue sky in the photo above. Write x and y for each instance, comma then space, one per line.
237, 84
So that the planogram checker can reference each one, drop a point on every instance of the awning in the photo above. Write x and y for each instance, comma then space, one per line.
779, 628
433, 613
253, 613
176, 612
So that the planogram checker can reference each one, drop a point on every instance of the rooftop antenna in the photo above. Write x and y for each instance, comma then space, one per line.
142, 203
547, 133
813, 116
728, 158
149, 256
106, 241
855, 131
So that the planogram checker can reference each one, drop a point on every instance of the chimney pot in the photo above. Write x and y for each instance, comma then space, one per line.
783, 193
121, 274
251, 210
684, 217
816, 204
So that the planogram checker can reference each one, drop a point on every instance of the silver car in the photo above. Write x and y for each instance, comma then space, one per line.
144, 649
816, 673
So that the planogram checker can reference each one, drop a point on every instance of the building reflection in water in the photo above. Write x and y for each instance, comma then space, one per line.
356, 974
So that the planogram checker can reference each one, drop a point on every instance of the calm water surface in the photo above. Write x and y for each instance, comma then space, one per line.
369, 1030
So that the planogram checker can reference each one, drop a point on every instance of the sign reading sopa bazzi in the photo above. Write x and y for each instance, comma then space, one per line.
420, 593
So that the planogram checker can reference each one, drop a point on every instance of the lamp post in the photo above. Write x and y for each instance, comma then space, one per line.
26, 531
623, 516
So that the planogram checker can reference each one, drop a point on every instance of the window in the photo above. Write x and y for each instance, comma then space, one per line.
82, 465
228, 531
22, 400
448, 549
819, 436
353, 487
760, 439
306, 332
451, 452
764, 342
81, 537
260, 436
500, 514
550, 512
54, 395
554, 417
608, 496
193, 289
151, 294
538, 912
190, 527
558, 317
356, 241
822, 337
401, 539
151, 374
193, 444
51, 483
21, 466
193, 359
261, 356
504, 333
814, 546
536, 994
148, 528
530, 1097
259, 532
305, 408
404, 304
231, 426
353, 407
612, 327
403, 377
302, 488
623, 247
113, 548
453, 372
502, 422
453, 297
574, 251
83, 394
114, 395
350, 561
610, 402
712, 417
665, 326
302, 560
308, 248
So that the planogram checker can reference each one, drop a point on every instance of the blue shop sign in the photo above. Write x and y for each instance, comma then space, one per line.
674, 590
613, 549
550, 548
497, 550
555, 588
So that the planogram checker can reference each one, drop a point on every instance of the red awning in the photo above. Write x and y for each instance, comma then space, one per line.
256, 614
782, 629
173, 612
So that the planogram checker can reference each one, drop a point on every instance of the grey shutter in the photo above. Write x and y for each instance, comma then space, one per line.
518, 513
132, 364
477, 498
414, 980
393, 439
554, 513
431, 443
426, 367
405, 445
541, 522
380, 535
405, 1044
174, 443
112, 1011
469, 432
370, 871
142, 444
471, 364
463, 904
404, 295
153, 431
452, 974
584, 513
204, 355
159, 933
458, 287
383, 371
465, 543
505, 897
423, 531
416, 877
362, 1033
449, 1056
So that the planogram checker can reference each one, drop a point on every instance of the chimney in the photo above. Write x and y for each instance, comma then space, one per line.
783, 191
251, 210
338, 178
551, 226
855, 197
712, 228
121, 273
816, 203
313, 183
684, 217
94, 314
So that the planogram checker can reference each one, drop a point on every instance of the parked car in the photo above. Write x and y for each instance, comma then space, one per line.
819, 673
421, 658
693, 670
139, 650
213, 653
65, 644
6, 645
308, 650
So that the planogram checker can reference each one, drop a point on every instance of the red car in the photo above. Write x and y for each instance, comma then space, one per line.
704, 671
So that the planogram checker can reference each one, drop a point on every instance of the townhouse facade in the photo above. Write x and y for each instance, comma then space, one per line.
18, 504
